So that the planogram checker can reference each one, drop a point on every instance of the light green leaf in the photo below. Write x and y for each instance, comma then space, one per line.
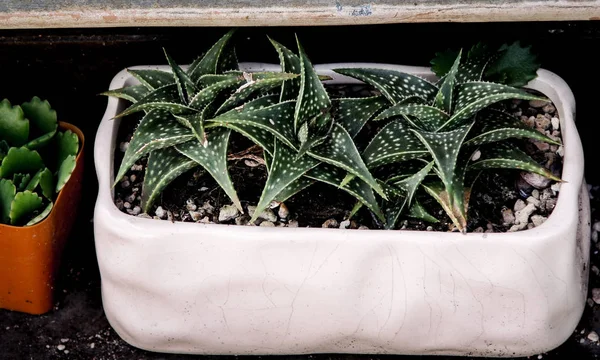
20, 160
42, 215
14, 127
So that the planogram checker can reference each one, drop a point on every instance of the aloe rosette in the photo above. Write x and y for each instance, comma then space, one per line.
36, 161
447, 130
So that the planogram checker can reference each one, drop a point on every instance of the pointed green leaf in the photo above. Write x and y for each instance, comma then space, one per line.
394, 143
411, 184
275, 119
24, 204
67, 145
185, 86
41, 215
228, 60
194, 122
213, 158
312, 98
65, 171
130, 93
157, 130
493, 125
211, 79
428, 117
293, 188
164, 98
7, 195
45, 180
20, 160
152, 79
353, 113
290, 63
475, 96
452, 208
42, 118
211, 92
42, 141
417, 211
339, 150
442, 62
444, 97
394, 85
209, 63
362, 191
504, 156
14, 127
284, 170
314, 132
164, 166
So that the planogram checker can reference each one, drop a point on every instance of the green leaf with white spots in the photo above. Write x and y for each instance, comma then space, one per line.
275, 119
7, 195
494, 126
45, 180
164, 98
209, 63
393, 143
456, 210
353, 113
130, 93
283, 171
504, 156
417, 211
65, 171
185, 86
213, 158
429, 118
314, 132
24, 204
228, 60
67, 145
152, 79
42, 141
211, 92
393, 207
157, 130
362, 191
252, 88
444, 97
14, 127
20, 160
411, 183
21, 181
339, 150
290, 63
164, 166
475, 96
293, 188
194, 122
312, 99
394, 172
44, 214
42, 118
212, 79
394, 85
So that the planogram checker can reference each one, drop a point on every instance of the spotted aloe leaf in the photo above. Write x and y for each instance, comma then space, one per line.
14, 127
42, 215
252, 88
157, 130
312, 98
314, 132
444, 97
504, 156
164, 98
339, 150
21, 181
394, 206
471, 69
209, 63
211, 92
164, 166
130, 93
353, 113
194, 122
211, 79
283, 171
45, 180
152, 79
394, 85
362, 191
20, 160
475, 96
274, 118
213, 158
429, 118
293, 188
411, 183
393, 143
456, 210
185, 86
290, 63
417, 211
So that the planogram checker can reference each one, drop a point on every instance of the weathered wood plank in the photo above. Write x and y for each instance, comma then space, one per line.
113, 13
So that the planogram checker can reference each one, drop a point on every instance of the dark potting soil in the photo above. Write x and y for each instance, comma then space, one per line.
196, 197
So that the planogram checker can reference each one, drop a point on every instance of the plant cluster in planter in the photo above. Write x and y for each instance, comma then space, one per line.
36, 161
412, 137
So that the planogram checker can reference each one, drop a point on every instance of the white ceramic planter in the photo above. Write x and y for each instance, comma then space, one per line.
217, 289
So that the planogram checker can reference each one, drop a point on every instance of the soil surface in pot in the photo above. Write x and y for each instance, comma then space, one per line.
502, 200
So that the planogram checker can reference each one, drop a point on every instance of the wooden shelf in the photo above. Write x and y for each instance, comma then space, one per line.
18, 14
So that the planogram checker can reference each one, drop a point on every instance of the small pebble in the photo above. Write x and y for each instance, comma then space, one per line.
593, 336
196, 215
522, 216
228, 212
560, 151
508, 216
267, 214
144, 216
537, 103
293, 224
169, 216
519, 205
283, 211
595, 270
596, 226
136, 210
535, 180
555, 187
267, 224
549, 109
125, 184
64, 340
205, 220
534, 201
538, 220
535, 193
330, 223
345, 224
596, 295
190, 205
362, 227
241, 220
132, 178
160, 212
61, 347
595, 236
126, 205
137, 167
123, 146
208, 207
555, 123
130, 198
119, 204
204, 188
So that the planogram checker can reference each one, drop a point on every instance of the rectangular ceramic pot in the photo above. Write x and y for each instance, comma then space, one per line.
218, 289
30, 255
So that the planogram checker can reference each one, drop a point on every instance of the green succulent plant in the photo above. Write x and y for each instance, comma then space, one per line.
36, 161
448, 131
190, 114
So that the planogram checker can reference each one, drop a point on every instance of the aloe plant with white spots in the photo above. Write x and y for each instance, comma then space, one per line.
36, 161
450, 129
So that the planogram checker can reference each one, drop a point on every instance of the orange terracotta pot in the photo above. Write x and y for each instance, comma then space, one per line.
30, 256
